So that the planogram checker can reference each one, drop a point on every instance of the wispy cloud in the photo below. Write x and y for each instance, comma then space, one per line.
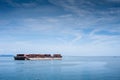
113, 1
87, 8
73, 29
16, 4
61, 25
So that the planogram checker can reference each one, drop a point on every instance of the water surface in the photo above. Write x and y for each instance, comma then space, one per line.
69, 68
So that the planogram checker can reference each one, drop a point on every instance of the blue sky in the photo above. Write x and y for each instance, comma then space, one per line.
69, 27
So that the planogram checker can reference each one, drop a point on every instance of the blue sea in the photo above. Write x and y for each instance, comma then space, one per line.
69, 68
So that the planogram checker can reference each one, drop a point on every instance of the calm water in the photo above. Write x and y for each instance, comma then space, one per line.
70, 68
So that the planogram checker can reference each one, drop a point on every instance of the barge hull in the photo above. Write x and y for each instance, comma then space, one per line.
37, 57
45, 58
19, 58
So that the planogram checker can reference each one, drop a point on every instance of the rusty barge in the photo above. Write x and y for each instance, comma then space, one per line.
37, 57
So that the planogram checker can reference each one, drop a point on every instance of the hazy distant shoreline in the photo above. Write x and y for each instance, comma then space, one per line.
6, 55
80, 58
11, 55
